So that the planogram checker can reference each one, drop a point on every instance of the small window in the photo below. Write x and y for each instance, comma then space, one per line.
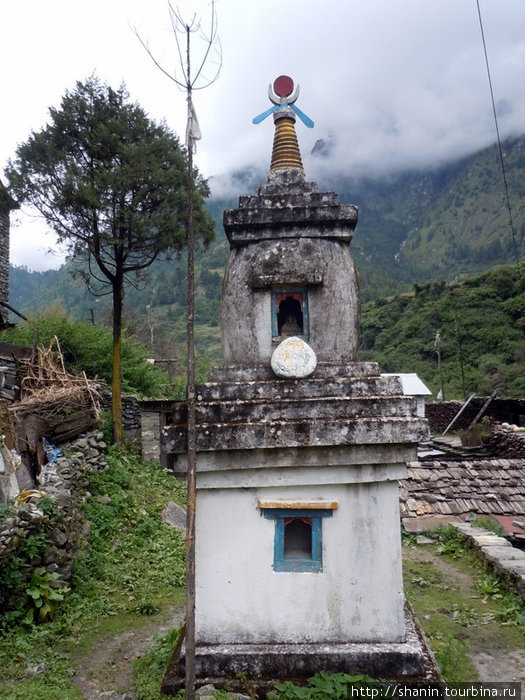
298, 541
289, 313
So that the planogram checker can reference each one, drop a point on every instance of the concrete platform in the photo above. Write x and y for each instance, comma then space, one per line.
265, 664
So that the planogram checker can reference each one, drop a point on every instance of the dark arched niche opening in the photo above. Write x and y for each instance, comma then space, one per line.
290, 317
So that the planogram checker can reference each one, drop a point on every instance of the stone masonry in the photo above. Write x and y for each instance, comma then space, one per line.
7, 204
65, 481
297, 543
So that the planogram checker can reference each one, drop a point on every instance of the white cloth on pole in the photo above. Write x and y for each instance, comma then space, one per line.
193, 131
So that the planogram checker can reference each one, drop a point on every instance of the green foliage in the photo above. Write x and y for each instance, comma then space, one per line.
408, 539
110, 181
489, 524
119, 578
465, 228
44, 590
462, 604
149, 671
88, 348
325, 685
451, 541
27, 593
477, 334
451, 657
113, 185
130, 547
106, 425
512, 611
6, 510
490, 586
48, 506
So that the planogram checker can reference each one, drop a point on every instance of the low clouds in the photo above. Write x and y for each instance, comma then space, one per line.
395, 84
400, 84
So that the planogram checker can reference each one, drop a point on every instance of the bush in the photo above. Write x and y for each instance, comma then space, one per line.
88, 348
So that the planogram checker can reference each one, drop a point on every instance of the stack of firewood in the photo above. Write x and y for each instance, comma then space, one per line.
507, 443
60, 405
440, 413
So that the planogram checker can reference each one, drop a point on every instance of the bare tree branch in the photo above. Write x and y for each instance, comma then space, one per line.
210, 39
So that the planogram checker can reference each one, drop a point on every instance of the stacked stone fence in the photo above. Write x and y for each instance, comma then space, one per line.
131, 416
440, 413
65, 481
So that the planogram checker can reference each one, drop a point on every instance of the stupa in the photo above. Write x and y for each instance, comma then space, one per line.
299, 451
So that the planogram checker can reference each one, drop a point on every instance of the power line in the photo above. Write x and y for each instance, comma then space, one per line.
500, 149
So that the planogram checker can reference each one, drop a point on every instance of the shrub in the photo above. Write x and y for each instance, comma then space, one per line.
88, 348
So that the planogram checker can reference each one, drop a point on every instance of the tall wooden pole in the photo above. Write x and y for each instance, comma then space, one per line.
192, 134
437, 344
191, 430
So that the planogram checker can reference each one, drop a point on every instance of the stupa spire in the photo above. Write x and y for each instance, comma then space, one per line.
285, 153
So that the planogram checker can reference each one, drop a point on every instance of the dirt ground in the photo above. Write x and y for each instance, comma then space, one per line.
494, 664
105, 671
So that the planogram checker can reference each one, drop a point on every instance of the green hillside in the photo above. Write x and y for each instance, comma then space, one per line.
467, 227
481, 323
417, 231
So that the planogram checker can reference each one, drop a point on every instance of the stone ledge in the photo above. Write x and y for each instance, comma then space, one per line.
363, 458
298, 433
324, 370
292, 408
507, 560
409, 660
309, 387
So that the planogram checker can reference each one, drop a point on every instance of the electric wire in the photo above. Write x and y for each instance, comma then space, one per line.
500, 149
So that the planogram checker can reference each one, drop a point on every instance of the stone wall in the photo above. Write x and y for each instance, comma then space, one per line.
131, 418
151, 436
6, 205
65, 481
156, 414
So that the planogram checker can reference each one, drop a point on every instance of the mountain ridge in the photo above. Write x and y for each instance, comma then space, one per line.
415, 228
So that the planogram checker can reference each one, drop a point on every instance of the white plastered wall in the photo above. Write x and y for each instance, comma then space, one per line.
357, 597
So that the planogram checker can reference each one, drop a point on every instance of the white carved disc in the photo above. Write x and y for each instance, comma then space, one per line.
293, 359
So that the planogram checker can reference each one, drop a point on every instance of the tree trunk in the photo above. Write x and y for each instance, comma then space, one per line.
116, 379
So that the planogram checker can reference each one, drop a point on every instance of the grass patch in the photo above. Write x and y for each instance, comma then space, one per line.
132, 568
488, 524
461, 603
149, 671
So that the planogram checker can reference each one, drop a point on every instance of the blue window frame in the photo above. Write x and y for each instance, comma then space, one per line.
290, 313
298, 539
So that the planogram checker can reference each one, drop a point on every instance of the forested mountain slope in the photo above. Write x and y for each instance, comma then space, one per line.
416, 231
481, 325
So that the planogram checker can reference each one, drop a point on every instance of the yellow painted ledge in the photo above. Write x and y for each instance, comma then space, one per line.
302, 505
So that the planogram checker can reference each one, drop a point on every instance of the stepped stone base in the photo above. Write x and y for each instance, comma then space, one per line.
265, 664
340, 404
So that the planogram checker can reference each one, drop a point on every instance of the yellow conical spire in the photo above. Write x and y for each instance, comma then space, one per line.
285, 153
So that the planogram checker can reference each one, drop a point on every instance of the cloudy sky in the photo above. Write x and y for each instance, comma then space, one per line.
394, 83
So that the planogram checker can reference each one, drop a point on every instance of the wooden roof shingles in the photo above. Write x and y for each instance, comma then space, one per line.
445, 487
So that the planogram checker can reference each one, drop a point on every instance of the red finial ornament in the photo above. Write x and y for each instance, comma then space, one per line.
283, 86
283, 93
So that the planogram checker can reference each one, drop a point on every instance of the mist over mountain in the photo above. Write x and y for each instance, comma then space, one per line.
415, 225
428, 248
438, 224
